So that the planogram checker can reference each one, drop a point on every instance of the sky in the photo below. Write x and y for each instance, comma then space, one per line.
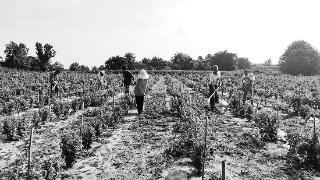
91, 31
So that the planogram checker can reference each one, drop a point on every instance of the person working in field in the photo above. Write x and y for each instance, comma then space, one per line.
214, 84
139, 90
127, 79
54, 83
247, 86
101, 79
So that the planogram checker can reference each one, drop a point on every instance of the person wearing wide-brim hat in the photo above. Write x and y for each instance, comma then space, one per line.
139, 89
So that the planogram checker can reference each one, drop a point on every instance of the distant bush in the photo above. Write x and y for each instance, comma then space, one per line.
61, 108
87, 137
304, 152
70, 144
13, 128
267, 124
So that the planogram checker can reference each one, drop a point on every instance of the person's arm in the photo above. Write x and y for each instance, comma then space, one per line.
210, 80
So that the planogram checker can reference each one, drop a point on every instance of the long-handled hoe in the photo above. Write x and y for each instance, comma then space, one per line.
208, 100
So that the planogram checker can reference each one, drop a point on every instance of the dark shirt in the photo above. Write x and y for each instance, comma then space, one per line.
127, 78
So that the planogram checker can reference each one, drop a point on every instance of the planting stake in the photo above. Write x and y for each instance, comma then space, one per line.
224, 170
113, 101
205, 147
29, 151
49, 104
39, 96
314, 126
265, 95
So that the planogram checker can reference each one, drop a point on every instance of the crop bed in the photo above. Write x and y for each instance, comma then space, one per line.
92, 133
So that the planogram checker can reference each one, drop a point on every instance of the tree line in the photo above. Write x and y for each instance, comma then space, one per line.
226, 61
16, 56
299, 58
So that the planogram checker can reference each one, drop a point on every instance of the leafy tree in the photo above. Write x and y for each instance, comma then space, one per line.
34, 63
158, 63
16, 55
154, 63
225, 60
300, 58
208, 58
268, 62
146, 63
74, 66
45, 53
129, 59
84, 68
94, 69
102, 67
57, 66
139, 65
201, 63
116, 62
182, 61
244, 63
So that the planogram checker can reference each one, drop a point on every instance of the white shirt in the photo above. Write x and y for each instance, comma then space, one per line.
213, 78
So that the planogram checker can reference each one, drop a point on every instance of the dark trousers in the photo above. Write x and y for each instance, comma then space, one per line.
215, 98
139, 102
247, 92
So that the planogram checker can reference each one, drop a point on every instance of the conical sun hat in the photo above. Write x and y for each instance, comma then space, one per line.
143, 74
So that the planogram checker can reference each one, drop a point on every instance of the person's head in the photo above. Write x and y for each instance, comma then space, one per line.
215, 69
245, 72
143, 74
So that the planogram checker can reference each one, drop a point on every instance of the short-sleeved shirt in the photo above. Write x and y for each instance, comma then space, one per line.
214, 78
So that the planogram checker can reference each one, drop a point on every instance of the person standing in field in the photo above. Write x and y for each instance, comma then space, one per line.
54, 83
101, 80
140, 88
247, 86
127, 79
214, 84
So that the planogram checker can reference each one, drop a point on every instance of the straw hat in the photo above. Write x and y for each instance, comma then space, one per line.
143, 74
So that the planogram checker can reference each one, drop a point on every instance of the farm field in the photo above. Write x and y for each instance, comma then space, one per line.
94, 133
